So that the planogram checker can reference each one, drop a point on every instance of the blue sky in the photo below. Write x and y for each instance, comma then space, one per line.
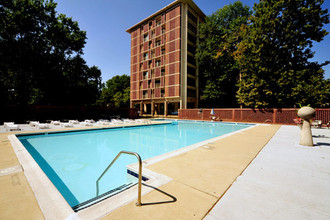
106, 22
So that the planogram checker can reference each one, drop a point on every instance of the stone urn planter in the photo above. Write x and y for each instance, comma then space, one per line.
306, 113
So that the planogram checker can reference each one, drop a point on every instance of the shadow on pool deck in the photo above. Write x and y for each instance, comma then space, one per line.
200, 178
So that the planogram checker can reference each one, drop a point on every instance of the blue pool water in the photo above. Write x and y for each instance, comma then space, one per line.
73, 161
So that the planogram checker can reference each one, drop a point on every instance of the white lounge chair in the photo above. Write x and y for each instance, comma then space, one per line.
317, 124
142, 121
116, 121
34, 123
102, 122
42, 126
10, 126
128, 121
84, 123
55, 123
66, 124
89, 121
74, 122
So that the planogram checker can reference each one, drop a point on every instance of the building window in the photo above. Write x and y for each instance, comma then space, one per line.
192, 28
145, 75
191, 93
162, 72
191, 82
145, 94
146, 56
191, 60
191, 71
192, 17
145, 37
158, 62
157, 83
157, 43
158, 22
191, 38
191, 49
162, 93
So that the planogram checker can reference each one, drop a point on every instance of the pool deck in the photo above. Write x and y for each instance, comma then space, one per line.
259, 173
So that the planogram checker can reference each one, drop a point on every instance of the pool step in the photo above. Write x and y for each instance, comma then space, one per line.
101, 197
133, 173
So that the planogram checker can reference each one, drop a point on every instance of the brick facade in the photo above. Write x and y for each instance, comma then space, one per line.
159, 59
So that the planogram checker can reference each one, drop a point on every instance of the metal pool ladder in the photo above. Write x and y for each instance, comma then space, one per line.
140, 173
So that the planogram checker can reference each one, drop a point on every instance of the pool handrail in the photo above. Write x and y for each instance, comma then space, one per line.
140, 173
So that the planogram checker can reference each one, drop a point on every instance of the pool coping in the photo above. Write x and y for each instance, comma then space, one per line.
52, 202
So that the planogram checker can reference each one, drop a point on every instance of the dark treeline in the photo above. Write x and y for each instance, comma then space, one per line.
41, 57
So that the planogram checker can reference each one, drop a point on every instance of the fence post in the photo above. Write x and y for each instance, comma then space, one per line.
233, 115
274, 116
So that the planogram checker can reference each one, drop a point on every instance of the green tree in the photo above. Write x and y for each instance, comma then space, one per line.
40, 55
274, 55
116, 92
82, 83
218, 39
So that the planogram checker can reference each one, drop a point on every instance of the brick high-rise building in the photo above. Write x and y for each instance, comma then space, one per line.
164, 72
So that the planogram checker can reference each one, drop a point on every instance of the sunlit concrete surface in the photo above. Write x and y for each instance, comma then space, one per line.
285, 181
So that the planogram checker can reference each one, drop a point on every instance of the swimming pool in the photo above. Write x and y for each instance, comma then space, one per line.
73, 161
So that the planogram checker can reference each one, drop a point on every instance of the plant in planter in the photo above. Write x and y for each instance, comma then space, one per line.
299, 121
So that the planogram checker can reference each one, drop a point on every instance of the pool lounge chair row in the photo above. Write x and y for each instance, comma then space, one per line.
9, 126
90, 122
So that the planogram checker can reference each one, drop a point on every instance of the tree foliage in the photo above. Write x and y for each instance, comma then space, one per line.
40, 56
218, 39
270, 51
116, 92
274, 55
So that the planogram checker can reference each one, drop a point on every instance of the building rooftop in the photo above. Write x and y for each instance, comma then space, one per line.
190, 2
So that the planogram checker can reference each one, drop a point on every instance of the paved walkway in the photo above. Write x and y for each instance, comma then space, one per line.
285, 181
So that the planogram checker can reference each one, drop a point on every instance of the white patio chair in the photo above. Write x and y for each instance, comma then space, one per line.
33, 123
84, 123
128, 121
10, 126
42, 126
116, 121
74, 122
89, 121
102, 122
55, 123
66, 124
317, 124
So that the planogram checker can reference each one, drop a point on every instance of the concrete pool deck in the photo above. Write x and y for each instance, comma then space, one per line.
207, 177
